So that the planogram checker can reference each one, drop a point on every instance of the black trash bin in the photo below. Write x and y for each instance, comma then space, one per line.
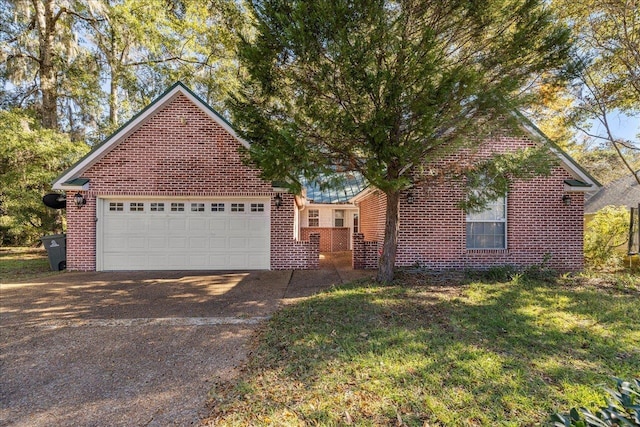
56, 246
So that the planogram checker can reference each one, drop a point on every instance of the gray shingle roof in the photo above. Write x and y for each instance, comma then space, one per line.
346, 185
622, 192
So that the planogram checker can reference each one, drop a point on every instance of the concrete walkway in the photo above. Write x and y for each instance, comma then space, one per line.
335, 269
135, 348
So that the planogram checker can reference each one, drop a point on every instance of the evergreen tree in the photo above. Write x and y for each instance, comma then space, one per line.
384, 87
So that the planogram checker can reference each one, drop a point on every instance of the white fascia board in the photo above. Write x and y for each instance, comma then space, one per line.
576, 189
361, 195
133, 125
573, 169
67, 187
312, 205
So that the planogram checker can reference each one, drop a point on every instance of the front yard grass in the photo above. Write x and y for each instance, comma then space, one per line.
18, 263
426, 352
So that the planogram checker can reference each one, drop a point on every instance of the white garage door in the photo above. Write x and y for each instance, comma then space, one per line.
230, 234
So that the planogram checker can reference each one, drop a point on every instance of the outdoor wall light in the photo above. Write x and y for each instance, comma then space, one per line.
566, 199
277, 200
80, 200
409, 198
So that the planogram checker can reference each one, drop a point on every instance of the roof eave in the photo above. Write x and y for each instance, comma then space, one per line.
569, 164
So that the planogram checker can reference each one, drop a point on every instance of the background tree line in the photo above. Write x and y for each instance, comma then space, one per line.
73, 71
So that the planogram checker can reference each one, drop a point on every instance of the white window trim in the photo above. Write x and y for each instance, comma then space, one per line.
505, 221
316, 217
335, 218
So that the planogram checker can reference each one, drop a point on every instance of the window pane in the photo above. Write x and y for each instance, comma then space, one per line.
495, 211
486, 235
314, 217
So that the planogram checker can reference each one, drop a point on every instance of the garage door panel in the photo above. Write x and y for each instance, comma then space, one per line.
257, 226
175, 243
218, 243
196, 225
136, 242
198, 243
177, 225
115, 241
219, 259
198, 261
115, 224
257, 242
158, 243
157, 261
137, 225
218, 225
238, 243
238, 260
238, 225
157, 225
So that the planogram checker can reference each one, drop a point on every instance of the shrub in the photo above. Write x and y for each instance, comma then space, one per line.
605, 235
623, 409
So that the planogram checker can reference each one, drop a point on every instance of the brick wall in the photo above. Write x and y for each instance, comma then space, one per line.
332, 239
180, 151
432, 228
365, 253
372, 216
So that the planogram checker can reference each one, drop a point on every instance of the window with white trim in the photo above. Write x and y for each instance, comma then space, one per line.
487, 229
197, 207
116, 206
177, 207
356, 223
237, 207
314, 217
257, 207
338, 218
217, 207
156, 207
136, 207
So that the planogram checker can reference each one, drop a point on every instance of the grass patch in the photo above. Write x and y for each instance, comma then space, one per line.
437, 353
18, 263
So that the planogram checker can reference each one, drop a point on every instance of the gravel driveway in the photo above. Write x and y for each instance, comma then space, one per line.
134, 349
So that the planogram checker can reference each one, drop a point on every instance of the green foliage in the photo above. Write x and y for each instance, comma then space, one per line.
606, 85
428, 351
606, 236
377, 86
623, 409
506, 272
104, 61
30, 158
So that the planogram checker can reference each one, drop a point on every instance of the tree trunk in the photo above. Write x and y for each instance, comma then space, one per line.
46, 22
113, 85
113, 100
390, 245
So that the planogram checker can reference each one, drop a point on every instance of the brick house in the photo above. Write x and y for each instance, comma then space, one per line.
539, 221
170, 190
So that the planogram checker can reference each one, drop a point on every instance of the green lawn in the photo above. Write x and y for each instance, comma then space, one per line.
439, 353
23, 263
